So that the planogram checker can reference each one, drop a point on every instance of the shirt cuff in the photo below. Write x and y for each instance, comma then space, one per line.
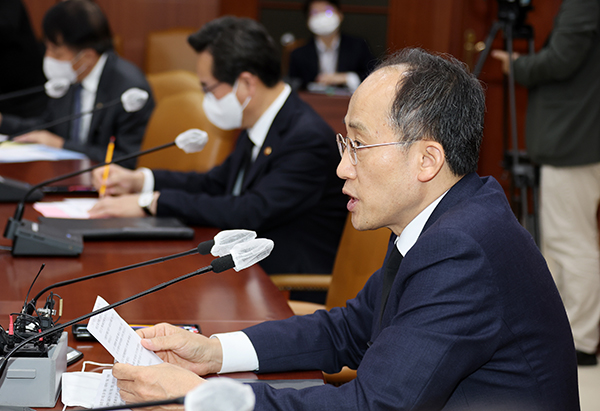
148, 186
238, 352
352, 80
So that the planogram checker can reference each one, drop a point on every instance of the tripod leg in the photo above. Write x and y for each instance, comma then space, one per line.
488, 45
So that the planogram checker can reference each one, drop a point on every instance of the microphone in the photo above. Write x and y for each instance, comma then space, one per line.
219, 246
215, 394
243, 255
33, 239
132, 100
55, 88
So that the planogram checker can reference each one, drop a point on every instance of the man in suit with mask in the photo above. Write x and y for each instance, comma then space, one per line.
280, 179
79, 49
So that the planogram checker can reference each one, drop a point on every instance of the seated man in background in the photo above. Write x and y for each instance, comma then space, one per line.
280, 179
79, 48
330, 58
463, 315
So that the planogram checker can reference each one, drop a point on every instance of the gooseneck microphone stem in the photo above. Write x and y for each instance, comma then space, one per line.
19, 211
178, 400
31, 305
21, 93
217, 262
67, 118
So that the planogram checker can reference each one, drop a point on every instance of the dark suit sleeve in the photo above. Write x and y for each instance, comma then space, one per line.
445, 327
569, 45
291, 181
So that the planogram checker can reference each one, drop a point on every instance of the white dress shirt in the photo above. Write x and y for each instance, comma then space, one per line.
328, 59
89, 88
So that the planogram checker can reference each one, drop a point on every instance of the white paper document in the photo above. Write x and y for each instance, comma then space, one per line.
123, 344
68, 208
11, 152
108, 392
118, 337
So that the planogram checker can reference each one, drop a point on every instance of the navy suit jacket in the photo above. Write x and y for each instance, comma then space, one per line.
354, 55
128, 128
473, 322
291, 193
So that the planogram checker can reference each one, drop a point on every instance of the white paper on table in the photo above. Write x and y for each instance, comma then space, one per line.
108, 392
68, 208
12, 152
118, 337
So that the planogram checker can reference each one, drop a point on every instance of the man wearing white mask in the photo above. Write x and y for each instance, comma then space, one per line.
280, 179
79, 50
330, 58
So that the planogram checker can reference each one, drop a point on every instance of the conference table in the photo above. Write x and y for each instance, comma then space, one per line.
221, 302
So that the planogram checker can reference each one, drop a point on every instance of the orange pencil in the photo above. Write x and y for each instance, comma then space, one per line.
109, 155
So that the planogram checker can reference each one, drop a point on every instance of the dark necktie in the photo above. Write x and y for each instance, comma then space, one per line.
76, 123
389, 273
244, 165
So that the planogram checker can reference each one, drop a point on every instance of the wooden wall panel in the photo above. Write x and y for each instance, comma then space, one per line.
240, 8
132, 20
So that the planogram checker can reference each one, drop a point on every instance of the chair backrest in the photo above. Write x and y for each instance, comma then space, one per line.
359, 255
174, 115
172, 82
169, 50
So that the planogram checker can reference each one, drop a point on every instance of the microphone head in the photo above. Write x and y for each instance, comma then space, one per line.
251, 252
134, 99
227, 239
192, 140
220, 394
57, 87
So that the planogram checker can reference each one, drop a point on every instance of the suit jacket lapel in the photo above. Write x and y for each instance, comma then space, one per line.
272, 143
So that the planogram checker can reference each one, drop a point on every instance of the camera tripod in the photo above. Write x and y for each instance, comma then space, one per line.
524, 182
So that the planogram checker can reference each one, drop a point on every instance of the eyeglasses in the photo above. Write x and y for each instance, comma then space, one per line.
345, 142
208, 89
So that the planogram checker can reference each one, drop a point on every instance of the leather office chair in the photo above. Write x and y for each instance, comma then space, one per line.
359, 255
169, 50
172, 82
173, 115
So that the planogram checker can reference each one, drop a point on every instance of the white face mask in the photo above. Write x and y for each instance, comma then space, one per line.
324, 24
79, 389
59, 69
227, 112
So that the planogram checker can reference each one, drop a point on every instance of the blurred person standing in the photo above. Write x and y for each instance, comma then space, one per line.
563, 137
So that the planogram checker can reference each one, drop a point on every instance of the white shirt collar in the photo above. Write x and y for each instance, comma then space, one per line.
411, 233
322, 48
90, 83
258, 132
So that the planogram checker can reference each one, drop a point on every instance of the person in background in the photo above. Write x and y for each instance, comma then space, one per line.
563, 137
22, 56
463, 315
79, 48
280, 178
330, 58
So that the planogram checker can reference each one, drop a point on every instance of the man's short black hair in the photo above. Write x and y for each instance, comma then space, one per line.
438, 99
238, 45
78, 24
308, 3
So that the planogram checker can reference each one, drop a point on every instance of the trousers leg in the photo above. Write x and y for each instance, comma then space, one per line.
569, 230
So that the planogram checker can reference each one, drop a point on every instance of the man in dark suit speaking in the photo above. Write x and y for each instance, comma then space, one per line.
280, 179
79, 49
463, 315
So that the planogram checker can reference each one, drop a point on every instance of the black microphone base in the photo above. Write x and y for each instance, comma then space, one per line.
14, 191
34, 239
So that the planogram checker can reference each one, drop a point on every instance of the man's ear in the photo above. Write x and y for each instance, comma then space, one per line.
432, 158
249, 82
